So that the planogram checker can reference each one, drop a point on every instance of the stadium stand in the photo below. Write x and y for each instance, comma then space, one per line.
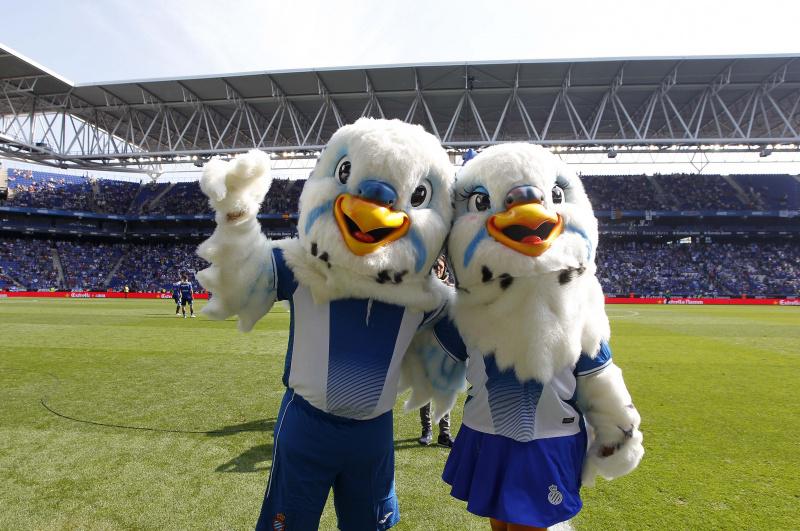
156, 266
646, 269
183, 198
642, 219
699, 270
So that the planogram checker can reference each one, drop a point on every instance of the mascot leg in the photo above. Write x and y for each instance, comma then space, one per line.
497, 525
315, 451
301, 477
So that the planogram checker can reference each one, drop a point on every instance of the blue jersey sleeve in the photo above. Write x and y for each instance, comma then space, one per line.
286, 283
587, 365
449, 339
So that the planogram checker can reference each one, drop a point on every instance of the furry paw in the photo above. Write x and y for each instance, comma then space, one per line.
236, 188
613, 461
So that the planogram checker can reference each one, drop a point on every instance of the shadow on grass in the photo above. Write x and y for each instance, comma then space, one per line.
258, 458
255, 459
263, 425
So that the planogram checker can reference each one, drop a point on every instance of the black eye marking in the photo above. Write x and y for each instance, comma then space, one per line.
418, 195
486, 274
568, 275
558, 195
325, 258
385, 276
313, 248
343, 168
505, 281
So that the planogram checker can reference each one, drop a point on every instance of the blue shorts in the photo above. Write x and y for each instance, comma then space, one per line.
186, 300
315, 451
177, 299
534, 483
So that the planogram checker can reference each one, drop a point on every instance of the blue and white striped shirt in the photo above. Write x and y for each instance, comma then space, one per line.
344, 355
499, 403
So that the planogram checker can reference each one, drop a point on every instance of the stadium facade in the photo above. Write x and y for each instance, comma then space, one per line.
658, 105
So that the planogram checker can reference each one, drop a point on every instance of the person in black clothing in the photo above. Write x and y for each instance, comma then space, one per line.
440, 269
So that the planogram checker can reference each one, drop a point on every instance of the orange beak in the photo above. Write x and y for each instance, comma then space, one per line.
367, 226
527, 228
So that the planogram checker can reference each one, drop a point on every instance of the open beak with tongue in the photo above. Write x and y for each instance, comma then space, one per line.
366, 225
527, 228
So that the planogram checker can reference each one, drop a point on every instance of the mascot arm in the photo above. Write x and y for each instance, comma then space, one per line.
616, 448
242, 276
434, 368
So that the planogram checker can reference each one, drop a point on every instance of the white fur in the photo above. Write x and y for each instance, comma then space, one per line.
537, 326
240, 277
432, 375
401, 155
614, 422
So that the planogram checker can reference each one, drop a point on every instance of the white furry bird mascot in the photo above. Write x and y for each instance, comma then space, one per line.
374, 215
535, 335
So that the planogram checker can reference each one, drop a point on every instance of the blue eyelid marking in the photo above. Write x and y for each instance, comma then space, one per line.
589, 246
479, 190
473, 245
419, 249
315, 213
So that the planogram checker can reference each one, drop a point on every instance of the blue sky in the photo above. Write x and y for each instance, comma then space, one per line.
86, 40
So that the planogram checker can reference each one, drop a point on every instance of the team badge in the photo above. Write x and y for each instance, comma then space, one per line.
279, 522
555, 497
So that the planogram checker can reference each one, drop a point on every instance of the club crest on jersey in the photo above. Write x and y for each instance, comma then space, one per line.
279, 522
554, 497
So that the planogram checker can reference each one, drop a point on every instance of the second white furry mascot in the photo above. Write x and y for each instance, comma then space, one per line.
530, 312
374, 215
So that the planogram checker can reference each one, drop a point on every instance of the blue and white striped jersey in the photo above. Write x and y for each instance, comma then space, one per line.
344, 355
498, 403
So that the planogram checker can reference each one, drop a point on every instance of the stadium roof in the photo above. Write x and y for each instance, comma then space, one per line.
651, 104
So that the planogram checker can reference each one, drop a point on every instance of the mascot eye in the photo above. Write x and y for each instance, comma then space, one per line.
478, 202
343, 170
421, 195
558, 195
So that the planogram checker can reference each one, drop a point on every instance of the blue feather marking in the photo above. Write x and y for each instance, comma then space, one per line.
315, 213
445, 373
419, 249
269, 287
589, 246
473, 245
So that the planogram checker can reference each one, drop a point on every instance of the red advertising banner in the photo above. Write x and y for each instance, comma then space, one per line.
681, 301
691, 301
91, 295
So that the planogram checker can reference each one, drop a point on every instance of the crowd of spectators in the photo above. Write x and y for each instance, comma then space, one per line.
155, 267
28, 264
622, 192
86, 265
36, 189
114, 197
699, 192
702, 270
283, 197
182, 198
644, 269
607, 192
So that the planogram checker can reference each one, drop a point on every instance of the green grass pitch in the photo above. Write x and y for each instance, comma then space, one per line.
717, 388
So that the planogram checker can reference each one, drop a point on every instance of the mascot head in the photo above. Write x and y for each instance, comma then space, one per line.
518, 205
378, 204
522, 249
